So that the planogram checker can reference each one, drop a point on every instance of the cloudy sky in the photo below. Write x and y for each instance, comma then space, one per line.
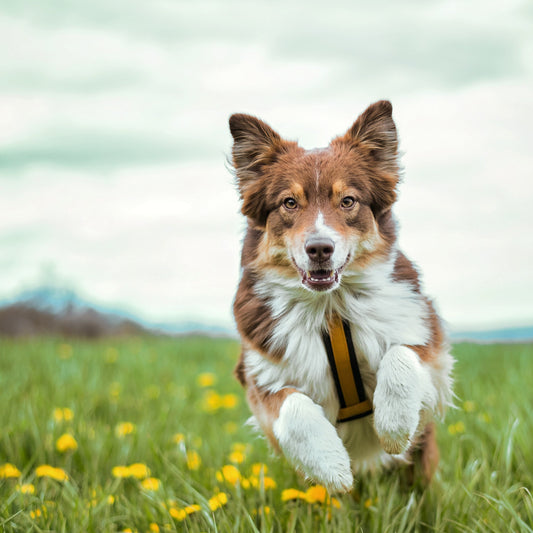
114, 137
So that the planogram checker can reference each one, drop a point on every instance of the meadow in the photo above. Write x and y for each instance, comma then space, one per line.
148, 434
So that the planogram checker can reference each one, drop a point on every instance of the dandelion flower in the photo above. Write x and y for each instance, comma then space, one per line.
8, 470
238, 447
35, 514
193, 460
230, 428
49, 471
292, 494
139, 470
120, 471
151, 483
316, 493
236, 457
469, 406
218, 501
368, 503
231, 474
26, 488
258, 468
63, 414
207, 379
229, 401
178, 438
110, 500
178, 514
66, 443
194, 508
124, 428
153, 527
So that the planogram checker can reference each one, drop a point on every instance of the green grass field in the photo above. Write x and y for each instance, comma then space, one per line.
171, 408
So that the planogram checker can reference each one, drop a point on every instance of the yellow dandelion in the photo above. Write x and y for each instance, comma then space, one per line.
245, 483
193, 460
139, 470
231, 474
485, 417
64, 351
292, 494
238, 447
469, 406
229, 401
230, 427
153, 527
316, 494
178, 438
190, 509
212, 402
236, 457
49, 471
178, 514
151, 483
26, 488
265, 482
63, 414
110, 500
124, 428
258, 468
8, 470
335, 503
218, 501
207, 379
120, 471
368, 503
35, 514
458, 427
66, 443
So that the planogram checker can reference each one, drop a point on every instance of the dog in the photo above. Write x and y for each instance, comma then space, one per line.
321, 268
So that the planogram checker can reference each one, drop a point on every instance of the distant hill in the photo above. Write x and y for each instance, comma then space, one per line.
61, 311
56, 310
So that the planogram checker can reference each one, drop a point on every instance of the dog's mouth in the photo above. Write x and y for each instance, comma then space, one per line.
321, 279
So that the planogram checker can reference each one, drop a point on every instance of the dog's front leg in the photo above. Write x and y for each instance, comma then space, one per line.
311, 443
403, 386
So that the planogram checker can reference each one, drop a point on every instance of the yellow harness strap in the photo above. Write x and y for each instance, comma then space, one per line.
346, 374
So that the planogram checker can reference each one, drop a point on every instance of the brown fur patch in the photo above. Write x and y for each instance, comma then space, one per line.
253, 317
265, 407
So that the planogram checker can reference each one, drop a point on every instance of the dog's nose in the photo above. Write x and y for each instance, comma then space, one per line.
319, 249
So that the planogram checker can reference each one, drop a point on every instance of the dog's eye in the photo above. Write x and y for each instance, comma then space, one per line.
348, 202
290, 203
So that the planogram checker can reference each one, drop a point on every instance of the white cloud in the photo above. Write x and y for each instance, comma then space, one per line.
112, 164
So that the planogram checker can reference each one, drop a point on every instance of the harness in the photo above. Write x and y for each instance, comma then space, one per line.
345, 369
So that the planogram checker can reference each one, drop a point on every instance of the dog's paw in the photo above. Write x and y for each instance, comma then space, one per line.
311, 443
395, 420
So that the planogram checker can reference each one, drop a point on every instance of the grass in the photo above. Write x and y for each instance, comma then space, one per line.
173, 406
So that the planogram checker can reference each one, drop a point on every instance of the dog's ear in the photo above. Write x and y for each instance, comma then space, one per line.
374, 135
255, 146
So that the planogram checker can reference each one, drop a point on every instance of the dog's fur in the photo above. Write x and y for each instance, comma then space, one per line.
321, 238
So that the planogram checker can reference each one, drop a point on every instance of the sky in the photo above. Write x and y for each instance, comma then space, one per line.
114, 141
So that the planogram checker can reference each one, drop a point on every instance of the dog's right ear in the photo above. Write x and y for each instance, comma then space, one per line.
255, 146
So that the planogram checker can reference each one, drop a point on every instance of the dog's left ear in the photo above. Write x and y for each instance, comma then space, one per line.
374, 135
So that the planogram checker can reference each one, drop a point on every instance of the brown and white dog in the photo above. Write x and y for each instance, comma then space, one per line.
321, 239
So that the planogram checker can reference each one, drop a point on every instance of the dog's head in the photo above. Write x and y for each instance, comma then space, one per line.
316, 214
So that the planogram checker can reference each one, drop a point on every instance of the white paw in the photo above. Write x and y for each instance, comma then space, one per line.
396, 419
311, 443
